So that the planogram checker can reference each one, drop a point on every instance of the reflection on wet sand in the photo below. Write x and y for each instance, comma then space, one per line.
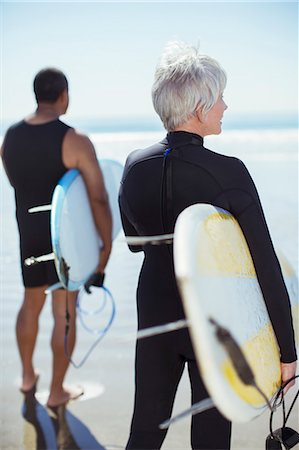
54, 428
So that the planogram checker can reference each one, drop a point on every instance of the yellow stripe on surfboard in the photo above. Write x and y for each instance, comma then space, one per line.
226, 251
268, 379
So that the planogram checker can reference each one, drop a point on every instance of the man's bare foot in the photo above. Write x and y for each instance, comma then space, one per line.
29, 382
64, 395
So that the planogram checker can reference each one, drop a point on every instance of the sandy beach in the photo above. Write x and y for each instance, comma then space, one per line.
101, 418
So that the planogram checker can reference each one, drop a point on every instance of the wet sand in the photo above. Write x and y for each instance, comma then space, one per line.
101, 418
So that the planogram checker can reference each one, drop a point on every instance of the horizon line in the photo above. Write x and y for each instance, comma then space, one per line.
148, 122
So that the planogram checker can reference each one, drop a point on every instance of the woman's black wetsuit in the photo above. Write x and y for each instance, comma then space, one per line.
32, 156
151, 198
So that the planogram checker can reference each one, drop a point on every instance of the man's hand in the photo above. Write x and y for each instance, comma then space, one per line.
96, 279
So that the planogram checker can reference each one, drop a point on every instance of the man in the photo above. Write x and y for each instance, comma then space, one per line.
36, 152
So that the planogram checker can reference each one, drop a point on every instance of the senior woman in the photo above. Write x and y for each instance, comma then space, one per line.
160, 182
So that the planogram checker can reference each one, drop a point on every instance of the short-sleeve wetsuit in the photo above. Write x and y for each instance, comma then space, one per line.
32, 156
151, 198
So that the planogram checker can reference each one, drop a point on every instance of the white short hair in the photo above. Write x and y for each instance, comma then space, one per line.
185, 81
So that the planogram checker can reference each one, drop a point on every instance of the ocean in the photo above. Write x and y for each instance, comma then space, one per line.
271, 156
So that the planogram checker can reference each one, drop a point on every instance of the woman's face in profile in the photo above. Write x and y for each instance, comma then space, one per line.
212, 120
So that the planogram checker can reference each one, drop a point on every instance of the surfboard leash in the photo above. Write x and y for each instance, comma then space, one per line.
102, 332
238, 359
64, 270
94, 280
284, 436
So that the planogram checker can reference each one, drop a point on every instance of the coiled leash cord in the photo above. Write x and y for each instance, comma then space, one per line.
95, 280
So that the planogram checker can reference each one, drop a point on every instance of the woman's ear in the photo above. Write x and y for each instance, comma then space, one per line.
199, 115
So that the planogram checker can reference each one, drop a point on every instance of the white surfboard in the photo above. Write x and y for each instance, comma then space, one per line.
217, 281
75, 240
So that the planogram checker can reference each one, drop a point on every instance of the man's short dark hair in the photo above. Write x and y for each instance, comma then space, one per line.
49, 84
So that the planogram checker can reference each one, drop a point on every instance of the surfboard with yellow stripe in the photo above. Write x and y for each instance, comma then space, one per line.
217, 280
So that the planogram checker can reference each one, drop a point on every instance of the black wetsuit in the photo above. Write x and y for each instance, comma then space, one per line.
151, 198
32, 156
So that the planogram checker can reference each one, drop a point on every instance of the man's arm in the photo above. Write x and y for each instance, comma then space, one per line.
78, 152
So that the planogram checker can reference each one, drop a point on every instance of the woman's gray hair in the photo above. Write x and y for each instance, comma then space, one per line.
185, 81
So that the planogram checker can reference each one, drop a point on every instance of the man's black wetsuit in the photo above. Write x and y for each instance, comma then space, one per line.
32, 155
155, 189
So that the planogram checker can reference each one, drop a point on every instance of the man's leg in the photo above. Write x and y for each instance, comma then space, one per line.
59, 394
26, 331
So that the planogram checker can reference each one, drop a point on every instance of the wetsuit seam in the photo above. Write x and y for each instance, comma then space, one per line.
124, 179
139, 162
253, 203
225, 192
130, 210
202, 168
220, 187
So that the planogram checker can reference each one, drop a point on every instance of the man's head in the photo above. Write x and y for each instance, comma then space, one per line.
49, 84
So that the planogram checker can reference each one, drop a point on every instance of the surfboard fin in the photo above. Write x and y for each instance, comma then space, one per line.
41, 208
153, 240
197, 408
32, 260
160, 329
53, 287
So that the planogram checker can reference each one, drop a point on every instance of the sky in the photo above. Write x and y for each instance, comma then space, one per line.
109, 51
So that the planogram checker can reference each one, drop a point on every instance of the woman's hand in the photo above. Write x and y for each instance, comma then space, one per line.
288, 370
